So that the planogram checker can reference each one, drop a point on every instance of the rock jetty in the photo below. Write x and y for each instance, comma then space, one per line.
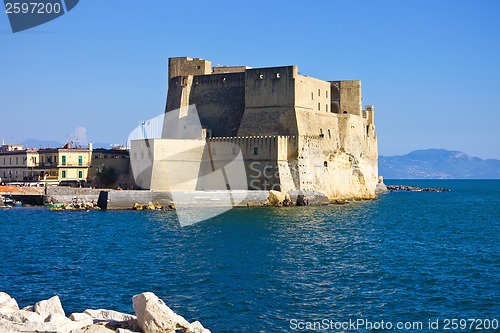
416, 188
152, 316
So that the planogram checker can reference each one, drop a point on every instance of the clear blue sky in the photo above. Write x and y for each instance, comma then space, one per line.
431, 68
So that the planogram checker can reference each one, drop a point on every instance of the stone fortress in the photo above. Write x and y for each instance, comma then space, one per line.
295, 132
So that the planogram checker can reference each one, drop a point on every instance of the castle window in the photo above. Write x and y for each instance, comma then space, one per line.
198, 67
319, 106
329, 134
326, 92
325, 164
326, 108
312, 95
256, 151
319, 92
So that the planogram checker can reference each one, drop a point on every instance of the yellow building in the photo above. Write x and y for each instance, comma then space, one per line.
64, 164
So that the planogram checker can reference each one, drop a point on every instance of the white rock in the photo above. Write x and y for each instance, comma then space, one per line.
109, 315
40, 327
29, 308
196, 327
57, 319
48, 307
82, 317
22, 316
6, 326
154, 316
124, 330
93, 329
7, 303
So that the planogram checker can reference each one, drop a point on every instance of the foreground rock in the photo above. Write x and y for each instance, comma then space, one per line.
153, 316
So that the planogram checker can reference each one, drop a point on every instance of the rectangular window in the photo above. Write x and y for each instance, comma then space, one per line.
326, 108
80, 160
17, 160
80, 174
312, 95
319, 92
319, 106
326, 92
256, 151
63, 174
63, 160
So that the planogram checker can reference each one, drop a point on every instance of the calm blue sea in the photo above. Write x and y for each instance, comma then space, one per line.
408, 257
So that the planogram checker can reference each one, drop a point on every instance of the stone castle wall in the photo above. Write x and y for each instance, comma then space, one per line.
295, 132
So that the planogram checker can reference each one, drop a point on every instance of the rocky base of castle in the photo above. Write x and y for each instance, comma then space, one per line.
152, 316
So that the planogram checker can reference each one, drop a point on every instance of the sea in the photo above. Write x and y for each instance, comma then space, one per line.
406, 262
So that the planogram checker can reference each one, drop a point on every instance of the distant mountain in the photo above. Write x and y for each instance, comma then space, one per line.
437, 164
36, 143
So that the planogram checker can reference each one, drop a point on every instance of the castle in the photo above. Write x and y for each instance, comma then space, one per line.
294, 132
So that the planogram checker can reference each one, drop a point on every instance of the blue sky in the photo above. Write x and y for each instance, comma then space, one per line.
430, 68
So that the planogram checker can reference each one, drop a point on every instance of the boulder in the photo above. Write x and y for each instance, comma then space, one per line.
7, 303
22, 316
276, 198
108, 315
36, 326
82, 317
48, 307
8, 326
28, 308
93, 329
196, 327
124, 330
154, 316
57, 319
150, 206
138, 206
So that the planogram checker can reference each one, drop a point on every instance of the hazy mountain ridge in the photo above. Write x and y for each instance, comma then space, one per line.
37, 143
438, 164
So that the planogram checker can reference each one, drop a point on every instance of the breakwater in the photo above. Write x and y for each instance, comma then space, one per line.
416, 188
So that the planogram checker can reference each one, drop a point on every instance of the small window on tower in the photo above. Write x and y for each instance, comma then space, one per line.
256, 151
198, 67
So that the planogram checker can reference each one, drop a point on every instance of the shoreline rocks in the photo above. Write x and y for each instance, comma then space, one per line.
152, 316
416, 188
